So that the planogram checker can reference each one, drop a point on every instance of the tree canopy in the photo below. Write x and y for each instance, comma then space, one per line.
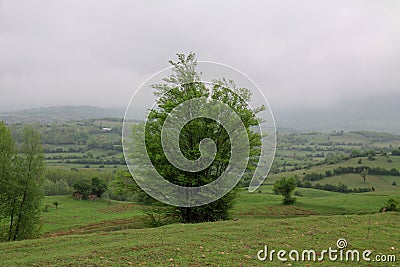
180, 87
21, 181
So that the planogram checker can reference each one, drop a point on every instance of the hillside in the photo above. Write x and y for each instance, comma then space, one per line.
60, 114
231, 243
111, 232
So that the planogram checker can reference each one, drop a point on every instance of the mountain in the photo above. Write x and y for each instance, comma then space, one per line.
381, 114
63, 113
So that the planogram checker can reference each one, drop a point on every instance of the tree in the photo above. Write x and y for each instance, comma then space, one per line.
21, 184
56, 204
285, 187
31, 183
7, 178
182, 86
364, 174
390, 205
123, 187
98, 186
82, 188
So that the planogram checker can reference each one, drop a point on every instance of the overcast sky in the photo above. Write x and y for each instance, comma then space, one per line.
301, 53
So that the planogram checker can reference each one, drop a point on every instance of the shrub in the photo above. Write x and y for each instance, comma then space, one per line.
390, 205
156, 216
98, 186
313, 176
285, 187
58, 187
396, 152
82, 188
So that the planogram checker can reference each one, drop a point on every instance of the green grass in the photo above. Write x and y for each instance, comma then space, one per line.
86, 216
313, 201
103, 233
381, 161
74, 216
230, 243
379, 182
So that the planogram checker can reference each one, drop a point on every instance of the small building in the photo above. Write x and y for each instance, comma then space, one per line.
107, 130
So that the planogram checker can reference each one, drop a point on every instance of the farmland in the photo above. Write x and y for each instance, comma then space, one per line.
112, 232
76, 234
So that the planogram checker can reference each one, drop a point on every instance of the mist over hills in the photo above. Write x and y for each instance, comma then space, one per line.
61, 113
374, 114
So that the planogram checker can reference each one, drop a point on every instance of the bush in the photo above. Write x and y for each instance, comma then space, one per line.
396, 152
58, 187
394, 172
313, 176
82, 188
98, 186
285, 187
156, 216
85, 188
390, 205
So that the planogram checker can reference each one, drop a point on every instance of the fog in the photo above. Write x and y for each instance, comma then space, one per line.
302, 54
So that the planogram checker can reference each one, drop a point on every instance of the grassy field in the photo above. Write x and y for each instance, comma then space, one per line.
73, 216
230, 243
380, 161
111, 233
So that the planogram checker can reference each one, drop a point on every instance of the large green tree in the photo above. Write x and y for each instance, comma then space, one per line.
21, 184
181, 86
7, 177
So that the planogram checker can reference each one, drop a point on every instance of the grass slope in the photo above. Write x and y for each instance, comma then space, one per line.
88, 216
230, 243
380, 161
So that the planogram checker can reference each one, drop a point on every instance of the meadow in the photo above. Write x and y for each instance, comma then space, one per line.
107, 232
111, 233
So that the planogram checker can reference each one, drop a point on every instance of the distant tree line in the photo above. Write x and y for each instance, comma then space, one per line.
340, 188
350, 169
61, 181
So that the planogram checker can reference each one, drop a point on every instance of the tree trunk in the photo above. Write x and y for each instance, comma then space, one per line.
11, 221
19, 216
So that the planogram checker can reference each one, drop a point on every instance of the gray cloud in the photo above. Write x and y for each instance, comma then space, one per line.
301, 53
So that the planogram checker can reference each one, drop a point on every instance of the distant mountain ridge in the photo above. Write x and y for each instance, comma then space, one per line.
380, 114
62, 113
